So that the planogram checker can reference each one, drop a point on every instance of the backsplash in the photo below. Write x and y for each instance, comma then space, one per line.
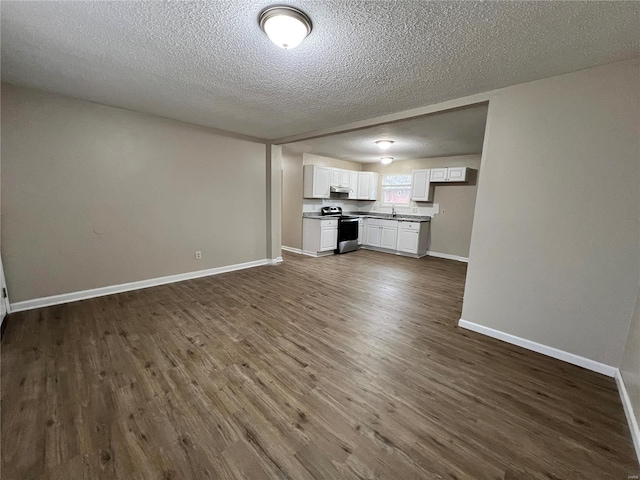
314, 205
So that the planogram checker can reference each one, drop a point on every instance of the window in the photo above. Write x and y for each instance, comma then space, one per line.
396, 189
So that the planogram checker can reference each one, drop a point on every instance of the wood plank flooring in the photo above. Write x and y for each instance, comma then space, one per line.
346, 366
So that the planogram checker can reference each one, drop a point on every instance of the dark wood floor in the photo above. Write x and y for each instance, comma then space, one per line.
340, 367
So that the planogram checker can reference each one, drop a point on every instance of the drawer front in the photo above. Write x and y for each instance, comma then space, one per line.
410, 225
328, 223
379, 222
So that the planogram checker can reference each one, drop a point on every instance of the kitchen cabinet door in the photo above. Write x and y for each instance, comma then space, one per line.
344, 178
408, 241
335, 177
389, 238
317, 181
457, 174
364, 185
439, 174
360, 234
421, 185
373, 186
328, 239
322, 182
353, 185
373, 235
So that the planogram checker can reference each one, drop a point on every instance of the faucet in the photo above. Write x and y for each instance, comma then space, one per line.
393, 209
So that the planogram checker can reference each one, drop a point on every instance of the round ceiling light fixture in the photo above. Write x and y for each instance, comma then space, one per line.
386, 160
285, 26
384, 144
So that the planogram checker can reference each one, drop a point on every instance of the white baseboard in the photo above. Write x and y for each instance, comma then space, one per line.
316, 254
291, 249
448, 256
628, 411
126, 287
275, 261
583, 362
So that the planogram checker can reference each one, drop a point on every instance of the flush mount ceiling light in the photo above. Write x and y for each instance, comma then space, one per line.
384, 144
386, 160
285, 26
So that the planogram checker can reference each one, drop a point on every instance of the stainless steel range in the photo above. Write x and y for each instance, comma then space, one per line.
347, 229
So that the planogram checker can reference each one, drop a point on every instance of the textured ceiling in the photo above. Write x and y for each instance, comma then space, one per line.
210, 64
457, 132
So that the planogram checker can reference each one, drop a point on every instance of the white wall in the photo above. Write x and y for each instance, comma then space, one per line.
554, 250
94, 196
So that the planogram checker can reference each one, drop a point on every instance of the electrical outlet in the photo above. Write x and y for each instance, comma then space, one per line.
198, 254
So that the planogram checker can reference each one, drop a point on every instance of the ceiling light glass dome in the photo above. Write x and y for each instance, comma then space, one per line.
285, 26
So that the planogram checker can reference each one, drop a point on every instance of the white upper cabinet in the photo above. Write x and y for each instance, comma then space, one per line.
421, 190
364, 185
335, 177
353, 184
344, 178
451, 174
317, 181
373, 190
339, 177
439, 174
367, 186
456, 174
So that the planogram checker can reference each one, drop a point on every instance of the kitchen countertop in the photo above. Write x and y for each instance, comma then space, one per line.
386, 216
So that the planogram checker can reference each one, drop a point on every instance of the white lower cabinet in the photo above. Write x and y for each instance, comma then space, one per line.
408, 241
413, 237
374, 235
400, 237
328, 238
381, 233
319, 237
389, 238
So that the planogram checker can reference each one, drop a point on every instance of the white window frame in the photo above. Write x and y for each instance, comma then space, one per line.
394, 187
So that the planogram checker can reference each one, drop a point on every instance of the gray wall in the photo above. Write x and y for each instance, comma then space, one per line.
554, 250
291, 198
630, 366
95, 196
312, 159
451, 230
292, 188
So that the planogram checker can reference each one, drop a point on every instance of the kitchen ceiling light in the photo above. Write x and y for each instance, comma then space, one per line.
386, 160
384, 144
285, 26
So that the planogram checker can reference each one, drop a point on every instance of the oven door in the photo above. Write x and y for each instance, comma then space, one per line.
347, 234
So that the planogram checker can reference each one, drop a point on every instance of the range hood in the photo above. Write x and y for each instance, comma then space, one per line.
339, 190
